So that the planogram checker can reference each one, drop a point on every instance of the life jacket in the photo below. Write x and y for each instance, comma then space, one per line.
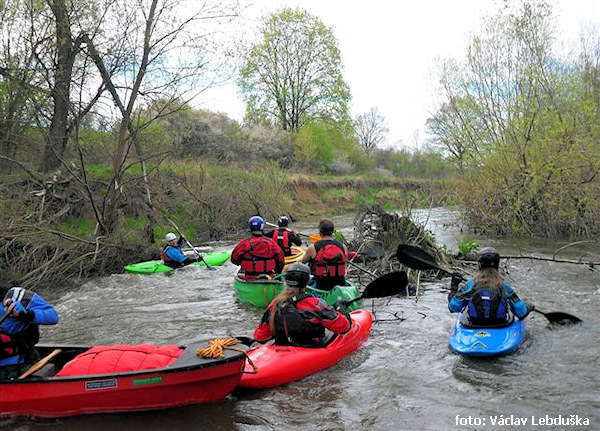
487, 305
163, 254
8, 346
330, 260
292, 326
260, 258
282, 236
22, 342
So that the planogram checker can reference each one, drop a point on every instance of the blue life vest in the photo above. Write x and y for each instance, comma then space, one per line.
487, 305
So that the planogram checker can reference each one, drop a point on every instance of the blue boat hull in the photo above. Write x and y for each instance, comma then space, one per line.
487, 341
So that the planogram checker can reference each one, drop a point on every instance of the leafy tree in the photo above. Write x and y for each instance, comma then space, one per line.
371, 128
521, 121
294, 74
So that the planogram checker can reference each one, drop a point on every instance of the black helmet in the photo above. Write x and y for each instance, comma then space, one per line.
488, 257
297, 275
283, 221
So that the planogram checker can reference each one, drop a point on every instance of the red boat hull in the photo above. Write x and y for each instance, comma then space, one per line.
278, 365
207, 380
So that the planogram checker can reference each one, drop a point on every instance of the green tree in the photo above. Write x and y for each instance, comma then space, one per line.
521, 120
294, 74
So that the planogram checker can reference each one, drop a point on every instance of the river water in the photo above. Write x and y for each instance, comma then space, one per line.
403, 378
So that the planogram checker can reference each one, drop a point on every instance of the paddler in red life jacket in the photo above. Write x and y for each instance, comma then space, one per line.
327, 258
172, 254
258, 256
297, 319
19, 332
285, 236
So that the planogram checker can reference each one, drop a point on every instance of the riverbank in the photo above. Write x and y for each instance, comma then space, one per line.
51, 229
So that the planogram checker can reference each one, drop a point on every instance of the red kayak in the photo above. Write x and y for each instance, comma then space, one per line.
187, 379
278, 365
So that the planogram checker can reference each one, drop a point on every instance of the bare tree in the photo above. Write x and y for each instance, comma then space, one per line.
371, 129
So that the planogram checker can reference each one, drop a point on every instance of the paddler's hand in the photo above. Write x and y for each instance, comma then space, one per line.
457, 278
340, 305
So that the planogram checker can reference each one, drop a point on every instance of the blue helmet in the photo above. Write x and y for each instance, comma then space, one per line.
256, 223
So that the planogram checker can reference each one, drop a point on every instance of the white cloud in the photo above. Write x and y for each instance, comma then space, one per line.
390, 50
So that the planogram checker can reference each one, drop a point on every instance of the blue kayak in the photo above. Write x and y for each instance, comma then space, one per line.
484, 341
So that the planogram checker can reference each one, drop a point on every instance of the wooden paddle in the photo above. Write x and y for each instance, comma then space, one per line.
417, 258
4, 317
172, 223
39, 364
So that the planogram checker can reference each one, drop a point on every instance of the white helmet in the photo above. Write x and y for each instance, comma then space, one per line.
170, 236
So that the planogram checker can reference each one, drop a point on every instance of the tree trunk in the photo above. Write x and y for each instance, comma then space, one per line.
56, 141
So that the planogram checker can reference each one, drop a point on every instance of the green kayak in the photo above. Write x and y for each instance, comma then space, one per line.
260, 293
216, 258
347, 292
257, 292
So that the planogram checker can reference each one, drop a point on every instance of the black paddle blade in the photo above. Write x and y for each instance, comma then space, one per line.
561, 318
389, 284
416, 258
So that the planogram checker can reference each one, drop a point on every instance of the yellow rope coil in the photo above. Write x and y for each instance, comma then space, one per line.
216, 346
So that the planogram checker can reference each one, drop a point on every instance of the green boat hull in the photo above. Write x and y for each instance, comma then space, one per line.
347, 293
216, 258
260, 293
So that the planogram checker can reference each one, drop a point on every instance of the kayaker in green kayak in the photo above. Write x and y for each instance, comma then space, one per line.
327, 258
172, 254
258, 256
487, 299
297, 319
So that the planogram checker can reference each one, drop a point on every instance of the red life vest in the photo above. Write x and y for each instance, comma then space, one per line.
330, 260
282, 236
260, 258
163, 253
8, 346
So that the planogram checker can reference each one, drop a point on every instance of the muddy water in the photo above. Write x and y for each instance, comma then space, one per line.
403, 378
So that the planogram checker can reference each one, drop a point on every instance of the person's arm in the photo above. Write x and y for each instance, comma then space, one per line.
295, 238
238, 252
279, 256
175, 254
337, 321
37, 311
458, 301
45, 314
262, 332
518, 306
310, 254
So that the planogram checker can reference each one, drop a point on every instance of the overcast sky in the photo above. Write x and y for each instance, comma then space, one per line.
390, 51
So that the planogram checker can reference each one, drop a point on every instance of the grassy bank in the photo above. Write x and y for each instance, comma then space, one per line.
52, 236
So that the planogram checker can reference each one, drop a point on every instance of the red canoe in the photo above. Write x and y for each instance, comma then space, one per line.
190, 379
278, 365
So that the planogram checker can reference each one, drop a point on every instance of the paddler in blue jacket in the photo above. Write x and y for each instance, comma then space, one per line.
172, 254
24, 310
297, 319
487, 299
